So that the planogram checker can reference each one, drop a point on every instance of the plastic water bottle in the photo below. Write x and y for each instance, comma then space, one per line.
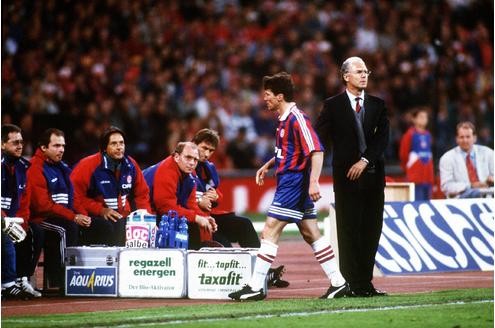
162, 233
182, 237
172, 228
158, 238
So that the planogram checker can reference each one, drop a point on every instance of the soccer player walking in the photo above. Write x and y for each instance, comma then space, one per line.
298, 161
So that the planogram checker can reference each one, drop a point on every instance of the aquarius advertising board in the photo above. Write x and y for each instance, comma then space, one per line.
437, 236
91, 281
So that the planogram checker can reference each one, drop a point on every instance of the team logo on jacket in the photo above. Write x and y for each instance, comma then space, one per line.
128, 184
282, 133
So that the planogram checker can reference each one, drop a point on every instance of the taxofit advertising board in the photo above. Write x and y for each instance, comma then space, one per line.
215, 274
437, 236
152, 273
91, 281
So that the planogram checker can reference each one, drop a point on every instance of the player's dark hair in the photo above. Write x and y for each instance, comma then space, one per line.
208, 136
280, 83
44, 139
105, 136
9, 128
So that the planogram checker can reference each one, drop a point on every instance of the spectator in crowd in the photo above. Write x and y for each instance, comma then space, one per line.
52, 202
355, 123
466, 170
15, 203
241, 151
108, 185
173, 187
437, 53
231, 227
298, 161
415, 155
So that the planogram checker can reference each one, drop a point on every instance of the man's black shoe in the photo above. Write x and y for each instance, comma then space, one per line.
274, 278
376, 292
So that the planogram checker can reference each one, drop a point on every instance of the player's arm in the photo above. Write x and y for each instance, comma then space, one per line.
316, 166
141, 190
81, 177
41, 201
405, 149
260, 174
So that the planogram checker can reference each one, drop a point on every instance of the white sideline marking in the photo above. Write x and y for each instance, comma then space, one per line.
261, 316
301, 314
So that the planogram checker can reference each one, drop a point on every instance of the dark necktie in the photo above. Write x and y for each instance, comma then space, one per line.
358, 106
473, 177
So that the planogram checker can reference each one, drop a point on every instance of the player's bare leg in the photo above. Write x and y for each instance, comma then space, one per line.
324, 255
254, 290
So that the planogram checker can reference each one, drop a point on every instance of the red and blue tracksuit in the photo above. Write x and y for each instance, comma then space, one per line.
98, 186
15, 195
172, 189
52, 201
417, 161
231, 227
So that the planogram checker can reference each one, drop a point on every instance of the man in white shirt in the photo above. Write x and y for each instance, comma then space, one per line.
466, 171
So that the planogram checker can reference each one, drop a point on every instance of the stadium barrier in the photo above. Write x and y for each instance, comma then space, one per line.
210, 273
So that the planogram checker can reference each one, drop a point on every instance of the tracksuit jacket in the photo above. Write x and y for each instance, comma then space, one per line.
207, 178
52, 192
15, 189
172, 189
96, 186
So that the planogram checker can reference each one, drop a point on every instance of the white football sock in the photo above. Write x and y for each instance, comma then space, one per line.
324, 254
264, 260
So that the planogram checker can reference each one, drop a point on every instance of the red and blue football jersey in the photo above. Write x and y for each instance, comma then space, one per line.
295, 141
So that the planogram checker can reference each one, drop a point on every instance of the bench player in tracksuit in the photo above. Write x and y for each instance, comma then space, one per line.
108, 185
173, 187
52, 201
15, 203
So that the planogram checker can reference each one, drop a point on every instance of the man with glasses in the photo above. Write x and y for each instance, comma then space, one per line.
356, 125
108, 185
173, 187
15, 206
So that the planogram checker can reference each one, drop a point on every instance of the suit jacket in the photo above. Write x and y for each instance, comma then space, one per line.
337, 127
453, 171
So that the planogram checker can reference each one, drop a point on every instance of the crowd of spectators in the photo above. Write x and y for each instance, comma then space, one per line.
161, 70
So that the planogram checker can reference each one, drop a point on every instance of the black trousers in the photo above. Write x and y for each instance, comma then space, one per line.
235, 229
59, 234
29, 250
359, 224
104, 232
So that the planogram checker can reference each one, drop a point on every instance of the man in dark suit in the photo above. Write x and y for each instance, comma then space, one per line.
356, 126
